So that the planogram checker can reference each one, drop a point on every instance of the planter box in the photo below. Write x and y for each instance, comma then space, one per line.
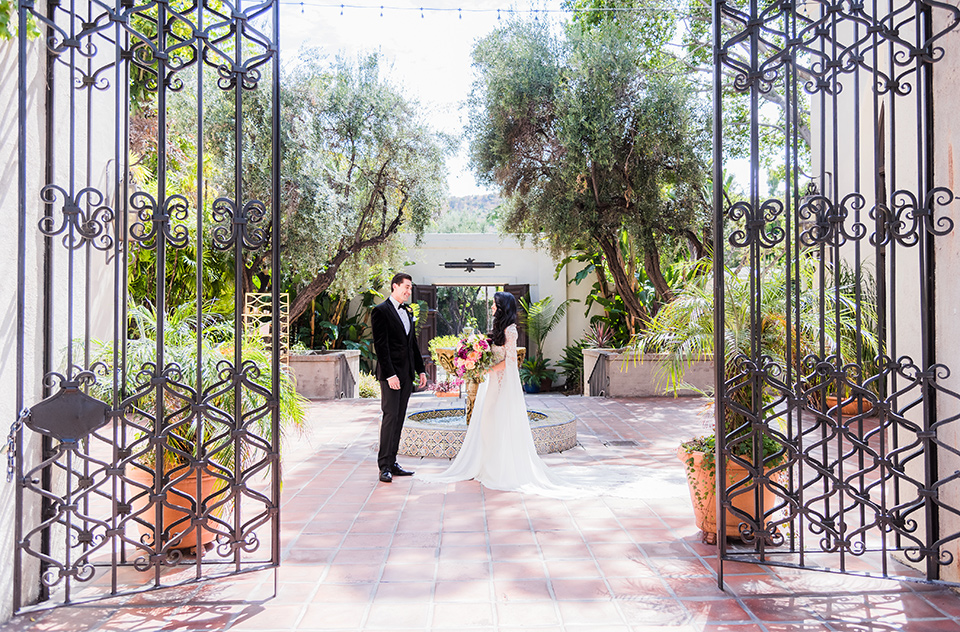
622, 375
321, 375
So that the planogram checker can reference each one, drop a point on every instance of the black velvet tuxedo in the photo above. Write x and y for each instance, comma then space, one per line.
397, 354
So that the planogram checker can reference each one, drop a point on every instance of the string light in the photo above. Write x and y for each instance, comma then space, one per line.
647, 8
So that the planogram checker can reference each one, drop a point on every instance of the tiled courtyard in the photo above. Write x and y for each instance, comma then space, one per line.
361, 555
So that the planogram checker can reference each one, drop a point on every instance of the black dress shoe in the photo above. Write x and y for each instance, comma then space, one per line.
396, 470
386, 476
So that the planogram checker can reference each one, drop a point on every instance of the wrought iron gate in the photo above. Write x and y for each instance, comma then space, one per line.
158, 420
833, 278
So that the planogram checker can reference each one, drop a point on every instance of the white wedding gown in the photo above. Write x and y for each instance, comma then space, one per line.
498, 450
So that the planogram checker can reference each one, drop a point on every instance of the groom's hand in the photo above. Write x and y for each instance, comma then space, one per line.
423, 380
393, 382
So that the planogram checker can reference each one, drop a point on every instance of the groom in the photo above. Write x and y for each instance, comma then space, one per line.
398, 364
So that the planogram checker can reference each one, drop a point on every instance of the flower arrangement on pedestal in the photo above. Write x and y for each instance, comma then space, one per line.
471, 361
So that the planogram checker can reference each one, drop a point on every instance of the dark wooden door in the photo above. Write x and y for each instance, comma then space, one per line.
428, 325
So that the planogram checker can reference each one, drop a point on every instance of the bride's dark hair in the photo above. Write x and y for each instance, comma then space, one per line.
506, 315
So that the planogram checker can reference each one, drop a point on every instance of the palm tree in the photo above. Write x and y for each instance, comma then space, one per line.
683, 329
539, 319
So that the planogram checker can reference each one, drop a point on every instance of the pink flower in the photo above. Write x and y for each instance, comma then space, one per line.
470, 365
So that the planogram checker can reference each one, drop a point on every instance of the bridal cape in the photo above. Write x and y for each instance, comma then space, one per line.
498, 450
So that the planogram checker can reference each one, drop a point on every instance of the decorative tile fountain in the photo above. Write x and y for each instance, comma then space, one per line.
439, 433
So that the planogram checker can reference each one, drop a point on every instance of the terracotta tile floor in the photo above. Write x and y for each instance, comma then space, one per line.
358, 555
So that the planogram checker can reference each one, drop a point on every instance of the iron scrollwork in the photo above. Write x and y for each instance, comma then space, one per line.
101, 427
855, 405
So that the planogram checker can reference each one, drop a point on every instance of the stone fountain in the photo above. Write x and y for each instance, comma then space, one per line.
439, 433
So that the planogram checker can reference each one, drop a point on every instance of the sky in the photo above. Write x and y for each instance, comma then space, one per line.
428, 56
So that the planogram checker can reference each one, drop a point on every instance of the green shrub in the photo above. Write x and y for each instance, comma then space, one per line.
369, 386
571, 364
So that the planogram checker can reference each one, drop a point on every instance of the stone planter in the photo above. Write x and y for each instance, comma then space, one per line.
624, 375
323, 375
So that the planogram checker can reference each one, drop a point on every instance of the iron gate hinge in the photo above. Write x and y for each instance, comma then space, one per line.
11, 446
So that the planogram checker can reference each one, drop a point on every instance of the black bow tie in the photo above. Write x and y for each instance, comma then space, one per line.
406, 308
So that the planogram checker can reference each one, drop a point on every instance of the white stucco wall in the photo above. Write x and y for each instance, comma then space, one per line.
946, 90
518, 263
93, 310
9, 259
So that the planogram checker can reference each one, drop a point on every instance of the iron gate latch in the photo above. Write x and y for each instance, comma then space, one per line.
69, 415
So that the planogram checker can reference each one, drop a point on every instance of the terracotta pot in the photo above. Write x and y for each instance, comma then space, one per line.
181, 507
446, 393
702, 484
851, 408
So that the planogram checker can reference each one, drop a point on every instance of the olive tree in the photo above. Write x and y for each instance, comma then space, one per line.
359, 166
588, 148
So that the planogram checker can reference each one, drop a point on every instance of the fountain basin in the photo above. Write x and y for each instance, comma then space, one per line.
439, 433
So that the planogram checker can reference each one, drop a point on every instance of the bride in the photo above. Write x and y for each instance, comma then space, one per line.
498, 449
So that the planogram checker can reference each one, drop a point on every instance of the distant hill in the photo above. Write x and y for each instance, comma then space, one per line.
468, 214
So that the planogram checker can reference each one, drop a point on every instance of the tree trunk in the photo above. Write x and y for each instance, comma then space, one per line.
651, 263
694, 246
323, 279
637, 316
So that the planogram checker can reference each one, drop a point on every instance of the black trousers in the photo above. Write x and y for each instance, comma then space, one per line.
393, 403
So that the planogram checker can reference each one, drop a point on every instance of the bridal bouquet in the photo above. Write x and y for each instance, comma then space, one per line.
473, 357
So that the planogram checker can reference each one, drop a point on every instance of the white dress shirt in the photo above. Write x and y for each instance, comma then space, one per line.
404, 316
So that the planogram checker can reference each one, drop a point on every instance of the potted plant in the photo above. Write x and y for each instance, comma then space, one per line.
539, 319
536, 374
447, 388
683, 331
188, 437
